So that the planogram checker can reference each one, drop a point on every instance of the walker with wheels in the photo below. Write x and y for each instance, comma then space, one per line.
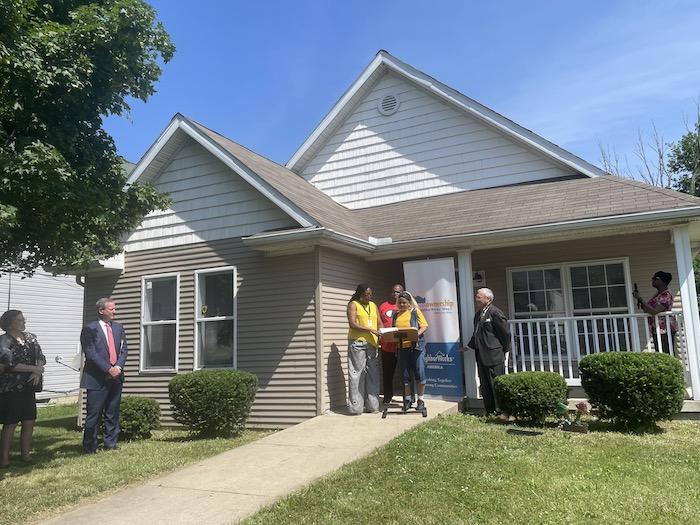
399, 336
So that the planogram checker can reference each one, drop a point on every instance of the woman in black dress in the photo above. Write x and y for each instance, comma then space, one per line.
21, 366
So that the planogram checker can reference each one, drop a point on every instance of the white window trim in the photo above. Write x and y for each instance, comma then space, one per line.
142, 369
197, 319
566, 281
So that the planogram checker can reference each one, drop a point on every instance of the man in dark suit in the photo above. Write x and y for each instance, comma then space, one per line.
104, 345
491, 341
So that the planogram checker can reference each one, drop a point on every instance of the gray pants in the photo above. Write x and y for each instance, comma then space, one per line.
363, 377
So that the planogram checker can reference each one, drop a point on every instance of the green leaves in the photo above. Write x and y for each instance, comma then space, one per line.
63, 67
684, 160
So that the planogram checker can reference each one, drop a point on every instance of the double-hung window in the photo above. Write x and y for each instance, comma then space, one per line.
600, 289
570, 289
159, 322
215, 318
564, 311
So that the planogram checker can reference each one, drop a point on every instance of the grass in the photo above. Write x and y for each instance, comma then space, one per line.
61, 476
461, 469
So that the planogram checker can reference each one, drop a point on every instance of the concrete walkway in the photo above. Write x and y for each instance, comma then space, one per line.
235, 484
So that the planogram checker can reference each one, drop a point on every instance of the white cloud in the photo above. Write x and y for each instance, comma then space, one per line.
602, 83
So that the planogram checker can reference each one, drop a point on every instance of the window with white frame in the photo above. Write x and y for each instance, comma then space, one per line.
537, 292
159, 322
215, 317
598, 288
596, 291
585, 288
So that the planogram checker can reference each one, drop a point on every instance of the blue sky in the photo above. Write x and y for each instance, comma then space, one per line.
578, 73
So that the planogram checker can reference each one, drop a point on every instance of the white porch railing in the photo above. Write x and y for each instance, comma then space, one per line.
557, 344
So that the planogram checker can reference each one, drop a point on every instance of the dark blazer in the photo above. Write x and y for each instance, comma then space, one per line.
491, 338
94, 343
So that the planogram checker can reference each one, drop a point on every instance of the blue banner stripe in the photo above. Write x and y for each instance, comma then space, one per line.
444, 370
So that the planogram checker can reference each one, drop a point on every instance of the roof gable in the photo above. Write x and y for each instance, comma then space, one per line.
177, 133
208, 202
426, 148
307, 206
384, 62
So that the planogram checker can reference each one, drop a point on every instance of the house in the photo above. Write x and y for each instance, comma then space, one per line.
253, 264
53, 307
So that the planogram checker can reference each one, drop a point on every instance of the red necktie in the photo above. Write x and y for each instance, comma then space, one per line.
110, 345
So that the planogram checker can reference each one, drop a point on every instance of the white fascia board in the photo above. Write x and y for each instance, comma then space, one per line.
180, 123
318, 235
278, 241
556, 227
335, 110
155, 149
113, 263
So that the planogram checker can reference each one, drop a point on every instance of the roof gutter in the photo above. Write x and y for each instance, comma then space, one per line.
540, 229
284, 241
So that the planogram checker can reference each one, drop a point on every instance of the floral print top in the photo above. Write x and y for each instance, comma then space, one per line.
664, 299
12, 353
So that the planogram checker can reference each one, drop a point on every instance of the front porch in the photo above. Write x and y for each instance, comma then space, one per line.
558, 344
566, 300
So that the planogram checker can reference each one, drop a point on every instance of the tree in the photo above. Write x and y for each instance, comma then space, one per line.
64, 66
684, 159
651, 166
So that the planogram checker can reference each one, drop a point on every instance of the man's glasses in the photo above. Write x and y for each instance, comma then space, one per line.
395, 291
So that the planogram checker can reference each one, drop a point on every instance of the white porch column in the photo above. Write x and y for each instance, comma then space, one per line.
686, 278
466, 307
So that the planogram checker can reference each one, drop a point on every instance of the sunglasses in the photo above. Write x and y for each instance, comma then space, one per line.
394, 291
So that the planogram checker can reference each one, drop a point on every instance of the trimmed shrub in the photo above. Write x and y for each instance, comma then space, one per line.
138, 417
634, 390
213, 402
530, 396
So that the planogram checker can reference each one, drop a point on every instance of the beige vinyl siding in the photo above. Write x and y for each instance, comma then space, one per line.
275, 327
210, 202
647, 253
426, 148
340, 274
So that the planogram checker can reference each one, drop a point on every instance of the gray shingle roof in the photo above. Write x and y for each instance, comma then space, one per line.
464, 212
307, 197
522, 205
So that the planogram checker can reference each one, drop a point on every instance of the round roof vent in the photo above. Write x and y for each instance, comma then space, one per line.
389, 104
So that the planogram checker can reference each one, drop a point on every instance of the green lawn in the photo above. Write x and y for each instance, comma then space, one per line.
460, 469
61, 475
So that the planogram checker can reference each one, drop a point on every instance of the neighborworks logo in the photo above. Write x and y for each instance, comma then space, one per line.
439, 357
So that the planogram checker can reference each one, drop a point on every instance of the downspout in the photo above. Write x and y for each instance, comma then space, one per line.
318, 300
9, 289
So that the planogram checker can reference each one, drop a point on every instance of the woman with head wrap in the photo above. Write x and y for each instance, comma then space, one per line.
661, 302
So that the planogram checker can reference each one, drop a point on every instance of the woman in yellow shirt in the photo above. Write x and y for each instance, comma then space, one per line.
363, 357
412, 355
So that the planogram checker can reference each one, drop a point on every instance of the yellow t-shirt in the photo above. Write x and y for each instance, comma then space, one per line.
403, 320
366, 315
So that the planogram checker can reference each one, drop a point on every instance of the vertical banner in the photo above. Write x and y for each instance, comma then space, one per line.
432, 283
